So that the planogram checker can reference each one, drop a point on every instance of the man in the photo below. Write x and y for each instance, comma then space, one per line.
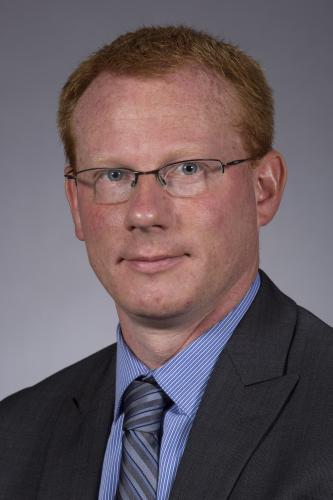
220, 386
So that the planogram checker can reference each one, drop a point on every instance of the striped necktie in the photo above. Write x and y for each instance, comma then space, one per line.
144, 403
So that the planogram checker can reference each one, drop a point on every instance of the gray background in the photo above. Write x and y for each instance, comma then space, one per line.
53, 309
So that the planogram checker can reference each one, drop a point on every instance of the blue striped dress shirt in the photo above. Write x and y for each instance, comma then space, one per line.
184, 378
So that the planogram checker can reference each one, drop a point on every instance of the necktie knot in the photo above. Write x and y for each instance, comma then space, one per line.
144, 403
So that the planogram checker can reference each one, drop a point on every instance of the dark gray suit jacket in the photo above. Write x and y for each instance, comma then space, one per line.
264, 429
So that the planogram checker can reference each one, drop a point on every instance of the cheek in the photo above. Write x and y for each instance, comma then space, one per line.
225, 224
208, 223
211, 214
99, 222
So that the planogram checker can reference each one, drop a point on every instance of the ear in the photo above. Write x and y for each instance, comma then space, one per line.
270, 178
71, 194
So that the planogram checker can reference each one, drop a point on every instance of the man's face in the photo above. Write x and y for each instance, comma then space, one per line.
160, 256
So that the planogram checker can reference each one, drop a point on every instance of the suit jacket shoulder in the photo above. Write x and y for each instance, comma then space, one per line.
66, 382
42, 423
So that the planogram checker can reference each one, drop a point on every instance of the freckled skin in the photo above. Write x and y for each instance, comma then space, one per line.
143, 124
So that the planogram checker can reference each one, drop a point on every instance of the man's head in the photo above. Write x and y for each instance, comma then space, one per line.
160, 256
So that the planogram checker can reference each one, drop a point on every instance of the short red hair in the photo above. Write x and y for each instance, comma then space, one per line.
155, 51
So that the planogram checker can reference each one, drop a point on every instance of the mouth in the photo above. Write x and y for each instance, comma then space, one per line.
153, 264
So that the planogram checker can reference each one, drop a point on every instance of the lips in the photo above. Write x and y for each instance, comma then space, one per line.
154, 263
151, 258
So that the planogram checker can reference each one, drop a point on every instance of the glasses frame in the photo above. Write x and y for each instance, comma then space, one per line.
72, 176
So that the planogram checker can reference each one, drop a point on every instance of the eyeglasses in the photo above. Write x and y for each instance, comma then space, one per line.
182, 179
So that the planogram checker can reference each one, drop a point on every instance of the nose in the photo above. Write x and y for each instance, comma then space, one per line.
149, 205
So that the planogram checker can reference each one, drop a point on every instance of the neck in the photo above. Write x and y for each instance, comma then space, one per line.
155, 340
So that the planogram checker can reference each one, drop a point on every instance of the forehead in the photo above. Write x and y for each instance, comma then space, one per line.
189, 102
206, 87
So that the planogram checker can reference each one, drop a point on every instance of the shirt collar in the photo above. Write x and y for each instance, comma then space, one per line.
184, 377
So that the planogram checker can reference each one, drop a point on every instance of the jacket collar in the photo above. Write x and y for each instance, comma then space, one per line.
260, 345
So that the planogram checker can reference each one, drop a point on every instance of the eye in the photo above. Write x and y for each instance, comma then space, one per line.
114, 175
189, 168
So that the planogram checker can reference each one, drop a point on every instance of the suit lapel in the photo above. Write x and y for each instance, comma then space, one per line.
76, 449
245, 395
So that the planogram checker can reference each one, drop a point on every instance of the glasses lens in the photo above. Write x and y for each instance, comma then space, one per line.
189, 178
112, 185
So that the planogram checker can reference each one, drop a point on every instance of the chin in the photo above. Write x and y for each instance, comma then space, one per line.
156, 310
